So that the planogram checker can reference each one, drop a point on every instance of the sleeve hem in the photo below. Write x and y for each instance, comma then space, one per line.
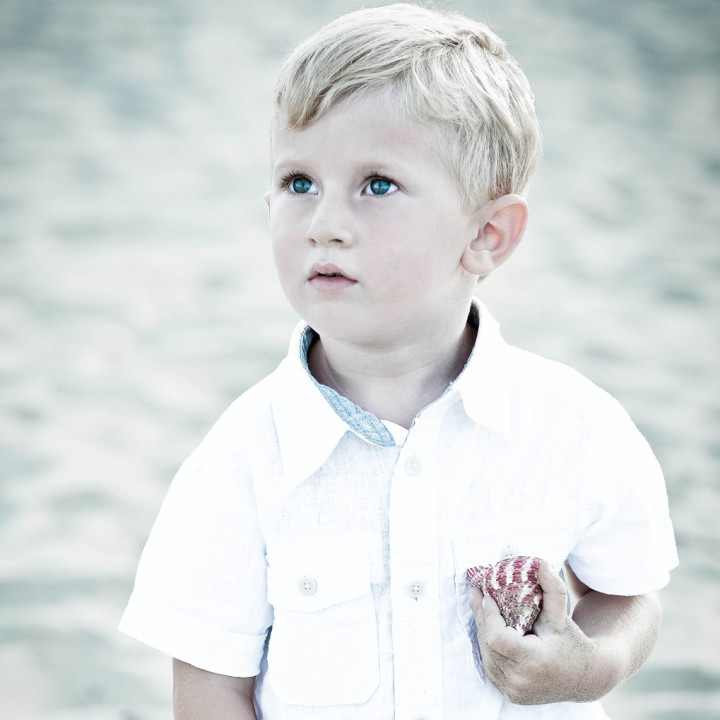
185, 637
631, 581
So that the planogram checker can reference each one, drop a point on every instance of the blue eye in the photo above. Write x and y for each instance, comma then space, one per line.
381, 186
301, 185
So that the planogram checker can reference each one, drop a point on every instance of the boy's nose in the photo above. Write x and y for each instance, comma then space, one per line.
330, 224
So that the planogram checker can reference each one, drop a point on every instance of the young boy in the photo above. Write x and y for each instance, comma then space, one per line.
309, 560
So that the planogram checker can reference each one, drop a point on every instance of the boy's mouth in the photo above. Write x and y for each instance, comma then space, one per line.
327, 270
326, 276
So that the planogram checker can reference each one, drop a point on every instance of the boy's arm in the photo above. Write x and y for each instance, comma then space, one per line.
576, 659
201, 694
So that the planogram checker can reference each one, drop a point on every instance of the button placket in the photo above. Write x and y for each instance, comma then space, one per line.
413, 566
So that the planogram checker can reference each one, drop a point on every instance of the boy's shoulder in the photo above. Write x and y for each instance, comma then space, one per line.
558, 388
251, 406
547, 371
242, 424
555, 407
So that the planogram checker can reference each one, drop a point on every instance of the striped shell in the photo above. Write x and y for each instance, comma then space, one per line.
513, 584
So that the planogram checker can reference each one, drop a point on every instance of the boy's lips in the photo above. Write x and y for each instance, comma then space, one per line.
326, 276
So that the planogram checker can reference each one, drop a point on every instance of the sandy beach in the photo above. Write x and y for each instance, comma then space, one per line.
138, 296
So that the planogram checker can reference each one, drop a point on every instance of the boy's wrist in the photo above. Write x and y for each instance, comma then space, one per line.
591, 665
608, 663
601, 670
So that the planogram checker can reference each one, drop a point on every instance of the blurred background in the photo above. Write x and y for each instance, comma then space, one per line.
138, 296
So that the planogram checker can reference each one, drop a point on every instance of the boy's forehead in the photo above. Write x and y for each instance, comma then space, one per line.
366, 124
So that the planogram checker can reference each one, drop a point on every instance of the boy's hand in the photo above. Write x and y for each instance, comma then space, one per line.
558, 661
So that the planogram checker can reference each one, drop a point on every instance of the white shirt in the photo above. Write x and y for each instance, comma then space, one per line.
350, 538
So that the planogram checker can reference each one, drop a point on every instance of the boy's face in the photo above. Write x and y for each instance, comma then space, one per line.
368, 226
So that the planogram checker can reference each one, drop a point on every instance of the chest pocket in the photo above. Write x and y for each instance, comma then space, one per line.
487, 550
323, 646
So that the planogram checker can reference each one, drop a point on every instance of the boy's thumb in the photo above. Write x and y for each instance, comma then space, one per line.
555, 598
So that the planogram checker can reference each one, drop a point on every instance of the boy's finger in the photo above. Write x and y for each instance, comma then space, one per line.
555, 598
486, 612
484, 607
493, 634
503, 640
490, 619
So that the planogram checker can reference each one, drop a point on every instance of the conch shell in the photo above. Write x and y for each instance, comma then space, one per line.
513, 584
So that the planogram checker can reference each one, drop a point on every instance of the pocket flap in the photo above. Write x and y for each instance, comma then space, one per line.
310, 588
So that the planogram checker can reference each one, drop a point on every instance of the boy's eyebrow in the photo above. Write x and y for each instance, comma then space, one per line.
286, 163
380, 168
363, 167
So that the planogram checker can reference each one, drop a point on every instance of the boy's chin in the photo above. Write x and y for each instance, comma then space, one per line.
363, 333
344, 325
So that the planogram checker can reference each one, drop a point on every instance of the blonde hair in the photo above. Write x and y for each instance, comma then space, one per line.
443, 69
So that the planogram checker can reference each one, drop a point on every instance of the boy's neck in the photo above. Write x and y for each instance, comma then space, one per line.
393, 384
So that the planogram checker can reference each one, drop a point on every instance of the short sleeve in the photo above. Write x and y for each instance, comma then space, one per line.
200, 593
628, 546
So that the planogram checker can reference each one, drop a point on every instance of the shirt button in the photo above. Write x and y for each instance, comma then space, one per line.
415, 590
413, 466
307, 586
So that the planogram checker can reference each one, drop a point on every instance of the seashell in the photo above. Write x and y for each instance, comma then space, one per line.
513, 584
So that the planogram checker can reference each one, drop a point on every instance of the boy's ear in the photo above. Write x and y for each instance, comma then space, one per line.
501, 226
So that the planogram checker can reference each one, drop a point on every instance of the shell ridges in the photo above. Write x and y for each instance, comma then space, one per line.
513, 584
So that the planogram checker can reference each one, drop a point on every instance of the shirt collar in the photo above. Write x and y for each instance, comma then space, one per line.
310, 422
308, 429
484, 383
